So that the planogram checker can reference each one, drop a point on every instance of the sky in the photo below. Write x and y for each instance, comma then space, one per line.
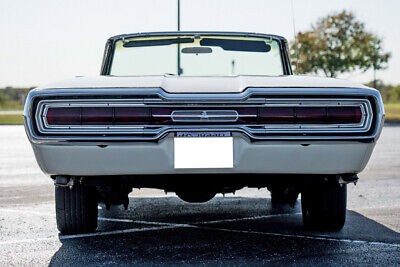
47, 40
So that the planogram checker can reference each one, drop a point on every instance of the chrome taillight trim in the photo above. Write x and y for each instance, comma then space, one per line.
259, 129
251, 96
203, 116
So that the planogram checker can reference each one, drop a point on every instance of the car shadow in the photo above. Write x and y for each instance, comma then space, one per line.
231, 230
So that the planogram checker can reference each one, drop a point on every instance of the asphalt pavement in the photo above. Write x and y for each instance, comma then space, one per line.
159, 229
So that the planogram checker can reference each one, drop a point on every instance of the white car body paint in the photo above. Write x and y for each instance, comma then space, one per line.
130, 158
184, 84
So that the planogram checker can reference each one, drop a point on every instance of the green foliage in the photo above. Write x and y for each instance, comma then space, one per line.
4, 98
395, 94
11, 119
389, 93
13, 98
392, 111
336, 44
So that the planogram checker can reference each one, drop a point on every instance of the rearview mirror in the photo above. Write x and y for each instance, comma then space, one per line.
196, 50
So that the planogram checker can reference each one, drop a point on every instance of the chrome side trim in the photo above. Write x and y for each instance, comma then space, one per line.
251, 96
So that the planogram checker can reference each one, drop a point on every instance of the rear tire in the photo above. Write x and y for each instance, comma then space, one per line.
324, 205
76, 209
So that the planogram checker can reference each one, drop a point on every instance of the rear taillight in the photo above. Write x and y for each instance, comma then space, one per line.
311, 115
127, 115
344, 114
277, 115
97, 116
64, 116
163, 115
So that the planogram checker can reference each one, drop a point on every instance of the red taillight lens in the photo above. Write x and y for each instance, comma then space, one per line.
64, 116
131, 115
277, 115
247, 115
161, 115
97, 116
344, 114
310, 115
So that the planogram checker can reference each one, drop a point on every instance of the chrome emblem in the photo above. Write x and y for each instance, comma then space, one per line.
204, 115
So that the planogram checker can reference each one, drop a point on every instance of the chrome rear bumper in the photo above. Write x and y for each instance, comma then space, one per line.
269, 157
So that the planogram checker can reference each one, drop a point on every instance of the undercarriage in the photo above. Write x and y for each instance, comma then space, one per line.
81, 195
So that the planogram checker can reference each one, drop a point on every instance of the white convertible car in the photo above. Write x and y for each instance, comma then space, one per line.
201, 113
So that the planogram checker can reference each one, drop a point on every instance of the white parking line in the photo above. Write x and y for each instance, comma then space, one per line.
196, 225
64, 237
145, 222
177, 225
159, 223
27, 211
204, 222
115, 220
248, 218
322, 238
28, 240
12, 197
116, 232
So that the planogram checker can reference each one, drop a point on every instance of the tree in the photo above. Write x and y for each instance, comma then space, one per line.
338, 43
384, 89
375, 57
3, 99
395, 94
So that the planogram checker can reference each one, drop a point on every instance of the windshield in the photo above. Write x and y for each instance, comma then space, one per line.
193, 55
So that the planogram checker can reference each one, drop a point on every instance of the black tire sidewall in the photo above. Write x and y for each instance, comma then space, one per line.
324, 205
76, 209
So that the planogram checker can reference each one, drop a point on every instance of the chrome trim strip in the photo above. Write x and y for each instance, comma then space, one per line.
250, 96
204, 115
363, 126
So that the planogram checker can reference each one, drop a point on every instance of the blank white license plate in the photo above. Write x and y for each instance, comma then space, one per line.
203, 152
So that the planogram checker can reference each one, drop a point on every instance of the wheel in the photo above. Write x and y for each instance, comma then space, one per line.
323, 205
195, 196
76, 209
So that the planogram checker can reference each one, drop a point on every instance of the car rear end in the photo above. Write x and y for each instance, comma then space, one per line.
135, 131
201, 113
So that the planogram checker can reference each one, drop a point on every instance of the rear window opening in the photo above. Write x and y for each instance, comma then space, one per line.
196, 55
